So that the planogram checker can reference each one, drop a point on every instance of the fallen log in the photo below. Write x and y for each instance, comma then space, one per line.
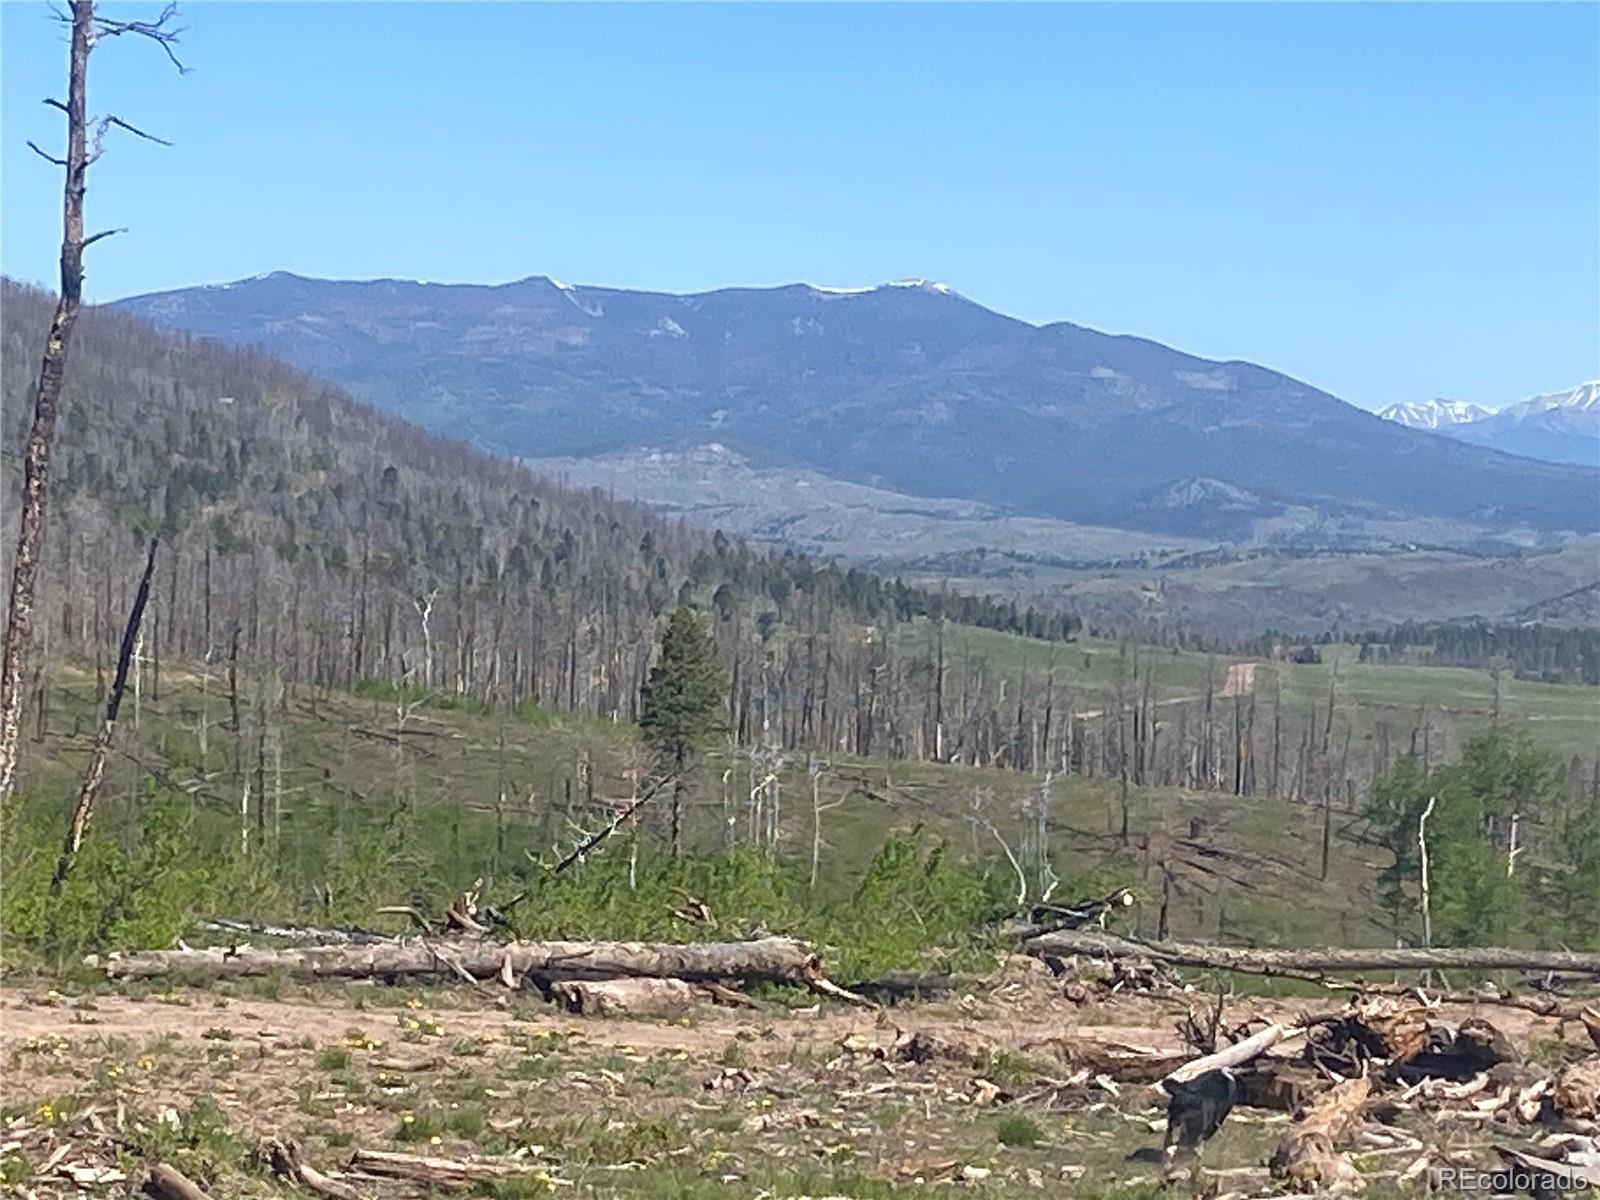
1235, 1055
772, 960
1301, 962
408, 1066
169, 1183
625, 997
434, 1171
1306, 1158
892, 987
295, 933
288, 1162
1117, 1061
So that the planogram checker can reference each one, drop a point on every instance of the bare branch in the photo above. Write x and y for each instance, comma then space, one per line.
104, 233
54, 103
49, 158
137, 132
156, 31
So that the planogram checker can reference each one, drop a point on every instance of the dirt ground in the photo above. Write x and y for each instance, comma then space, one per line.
781, 1102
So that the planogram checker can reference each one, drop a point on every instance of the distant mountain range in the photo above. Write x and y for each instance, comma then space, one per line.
906, 387
1561, 427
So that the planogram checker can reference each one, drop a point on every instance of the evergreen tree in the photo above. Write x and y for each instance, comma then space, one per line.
682, 704
1577, 888
1474, 893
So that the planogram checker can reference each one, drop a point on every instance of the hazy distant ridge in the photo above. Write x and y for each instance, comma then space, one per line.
909, 387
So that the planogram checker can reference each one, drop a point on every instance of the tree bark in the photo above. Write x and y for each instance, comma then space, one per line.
1306, 1157
47, 396
1311, 961
84, 808
775, 960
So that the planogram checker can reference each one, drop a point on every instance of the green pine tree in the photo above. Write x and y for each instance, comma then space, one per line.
1476, 899
682, 707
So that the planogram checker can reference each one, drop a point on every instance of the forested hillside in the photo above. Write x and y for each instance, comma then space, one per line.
310, 538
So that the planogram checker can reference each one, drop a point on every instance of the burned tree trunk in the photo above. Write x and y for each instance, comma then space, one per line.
47, 396
86, 30
84, 809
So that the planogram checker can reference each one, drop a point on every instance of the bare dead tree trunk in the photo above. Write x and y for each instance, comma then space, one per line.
86, 30
84, 808
36, 463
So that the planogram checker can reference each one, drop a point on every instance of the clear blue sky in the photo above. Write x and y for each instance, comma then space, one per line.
1389, 201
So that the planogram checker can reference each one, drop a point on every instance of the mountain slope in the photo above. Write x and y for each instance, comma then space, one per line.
330, 543
910, 387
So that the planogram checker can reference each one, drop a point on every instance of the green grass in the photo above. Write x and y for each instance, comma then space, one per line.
474, 794
1460, 699
1018, 1129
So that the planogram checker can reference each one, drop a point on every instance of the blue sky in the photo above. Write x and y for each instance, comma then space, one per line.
1389, 201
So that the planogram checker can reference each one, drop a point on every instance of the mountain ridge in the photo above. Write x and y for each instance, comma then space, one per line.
914, 388
1561, 426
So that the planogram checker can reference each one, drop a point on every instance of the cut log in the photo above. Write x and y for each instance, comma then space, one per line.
169, 1183
773, 960
625, 997
1116, 1061
1235, 1055
434, 1171
288, 1162
1311, 962
1306, 1157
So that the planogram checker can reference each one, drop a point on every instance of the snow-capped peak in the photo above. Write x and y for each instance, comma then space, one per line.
1432, 414
1583, 398
926, 285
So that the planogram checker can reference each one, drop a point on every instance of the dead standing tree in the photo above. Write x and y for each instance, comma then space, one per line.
84, 808
83, 148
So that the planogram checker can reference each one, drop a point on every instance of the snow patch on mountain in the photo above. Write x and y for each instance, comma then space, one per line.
1432, 414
